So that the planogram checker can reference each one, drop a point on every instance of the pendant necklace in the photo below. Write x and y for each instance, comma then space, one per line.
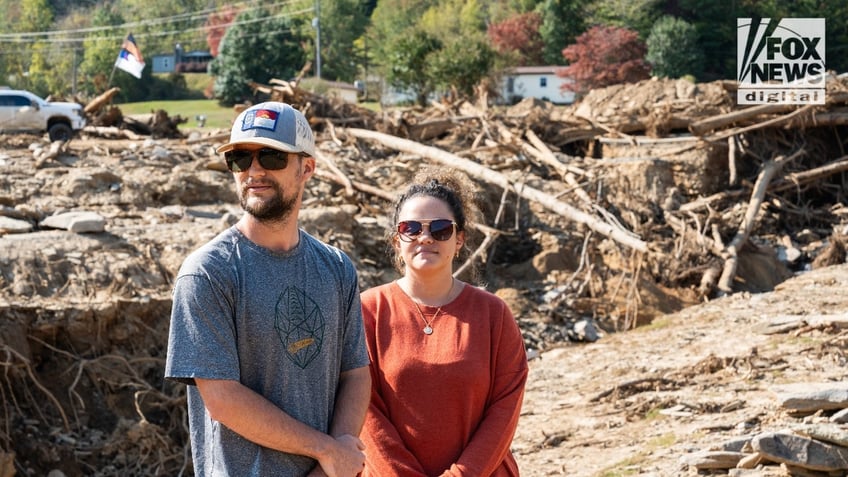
428, 330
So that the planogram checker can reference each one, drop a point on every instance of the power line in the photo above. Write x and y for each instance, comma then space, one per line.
38, 37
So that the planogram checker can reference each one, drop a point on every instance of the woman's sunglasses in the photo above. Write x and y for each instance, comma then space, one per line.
239, 160
440, 229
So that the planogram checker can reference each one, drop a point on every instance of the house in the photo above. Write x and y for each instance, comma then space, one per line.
347, 92
541, 82
182, 62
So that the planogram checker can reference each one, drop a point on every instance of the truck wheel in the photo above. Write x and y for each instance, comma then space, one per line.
60, 132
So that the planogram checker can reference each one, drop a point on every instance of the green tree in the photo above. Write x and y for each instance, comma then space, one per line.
408, 63
673, 49
562, 22
391, 21
636, 15
32, 16
258, 48
342, 22
101, 51
460, 65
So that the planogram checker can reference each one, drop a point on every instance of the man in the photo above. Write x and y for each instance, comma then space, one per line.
266, 325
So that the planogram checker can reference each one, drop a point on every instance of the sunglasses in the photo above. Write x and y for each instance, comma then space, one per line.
440, 229
239, 160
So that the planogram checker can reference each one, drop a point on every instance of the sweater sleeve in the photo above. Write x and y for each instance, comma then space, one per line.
489, 446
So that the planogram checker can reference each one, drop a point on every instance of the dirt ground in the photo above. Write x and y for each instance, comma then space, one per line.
718, 363
84, 316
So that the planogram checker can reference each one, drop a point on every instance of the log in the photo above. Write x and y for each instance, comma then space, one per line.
794, 179
770, 168
111, 132
56, 148
331, 164
97, 103
704, 126
616, 233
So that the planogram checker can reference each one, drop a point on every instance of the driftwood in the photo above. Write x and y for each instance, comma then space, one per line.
111, 132
342, 178
96, 104
53, 152
620, 235
769, 170
704, 126
793, 180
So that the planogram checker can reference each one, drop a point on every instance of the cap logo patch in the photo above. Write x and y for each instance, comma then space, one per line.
260, 118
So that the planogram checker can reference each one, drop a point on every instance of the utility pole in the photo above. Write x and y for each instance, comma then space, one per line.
316, 24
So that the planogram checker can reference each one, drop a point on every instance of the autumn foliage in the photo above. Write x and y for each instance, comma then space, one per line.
519, 36
603, 56
216, 25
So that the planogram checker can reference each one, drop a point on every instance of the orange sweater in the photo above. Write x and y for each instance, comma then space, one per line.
445, 404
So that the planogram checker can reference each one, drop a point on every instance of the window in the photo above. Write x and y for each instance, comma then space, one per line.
510, 85
543, 82
15, 101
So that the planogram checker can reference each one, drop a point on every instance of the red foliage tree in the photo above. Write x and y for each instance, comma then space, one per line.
519, 35
603, 56
216, 26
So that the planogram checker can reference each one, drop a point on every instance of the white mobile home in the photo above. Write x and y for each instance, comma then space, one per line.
540, 82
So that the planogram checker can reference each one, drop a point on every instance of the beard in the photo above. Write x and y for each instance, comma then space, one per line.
277, 209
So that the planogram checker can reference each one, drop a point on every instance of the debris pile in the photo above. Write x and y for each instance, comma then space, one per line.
636, 202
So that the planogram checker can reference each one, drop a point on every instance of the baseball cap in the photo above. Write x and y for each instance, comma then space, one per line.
272, 124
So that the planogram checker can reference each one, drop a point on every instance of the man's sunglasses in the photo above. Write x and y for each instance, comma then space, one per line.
239, 160
440, 229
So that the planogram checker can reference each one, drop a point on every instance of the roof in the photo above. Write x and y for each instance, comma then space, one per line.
534, 70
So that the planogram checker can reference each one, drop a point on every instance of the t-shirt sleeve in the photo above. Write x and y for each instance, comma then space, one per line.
202, 337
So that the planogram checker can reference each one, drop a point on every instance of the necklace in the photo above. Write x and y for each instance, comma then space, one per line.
428, 330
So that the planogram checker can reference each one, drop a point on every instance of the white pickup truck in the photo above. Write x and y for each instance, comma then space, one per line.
22, 111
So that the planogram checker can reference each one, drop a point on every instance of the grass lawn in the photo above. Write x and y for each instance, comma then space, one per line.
217, 117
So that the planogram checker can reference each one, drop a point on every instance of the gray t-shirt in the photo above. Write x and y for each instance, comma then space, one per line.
283, 324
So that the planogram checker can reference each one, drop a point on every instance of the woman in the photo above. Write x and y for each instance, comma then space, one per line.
448, 364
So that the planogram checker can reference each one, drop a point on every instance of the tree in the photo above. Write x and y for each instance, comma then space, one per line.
562, 21
605, 56
673, 49
518, 38
636, 15
216, 26
408, 63
100, 51
411, 57
259, 47
460, 66
341, 22
391, 22
29, 66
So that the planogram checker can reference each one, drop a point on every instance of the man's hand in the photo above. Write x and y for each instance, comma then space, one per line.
346, 458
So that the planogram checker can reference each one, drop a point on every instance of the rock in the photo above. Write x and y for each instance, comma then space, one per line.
14, 226
811, 397
801, 451
830, 433
706, 460
77, 222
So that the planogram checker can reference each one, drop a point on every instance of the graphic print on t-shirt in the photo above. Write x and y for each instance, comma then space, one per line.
300, 326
